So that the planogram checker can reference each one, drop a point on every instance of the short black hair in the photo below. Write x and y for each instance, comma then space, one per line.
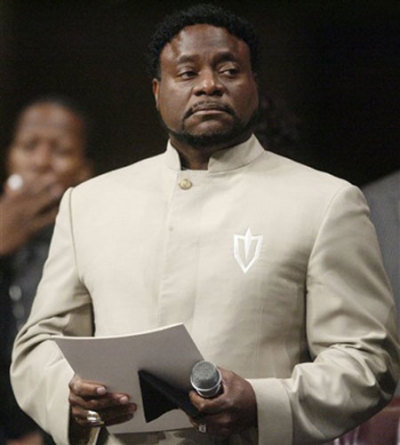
200, 14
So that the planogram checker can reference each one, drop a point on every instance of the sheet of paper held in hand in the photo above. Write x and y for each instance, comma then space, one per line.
168, 353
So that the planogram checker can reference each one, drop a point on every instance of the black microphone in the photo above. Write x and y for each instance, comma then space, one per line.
206, 379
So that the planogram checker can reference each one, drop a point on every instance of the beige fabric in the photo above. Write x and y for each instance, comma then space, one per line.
311, 322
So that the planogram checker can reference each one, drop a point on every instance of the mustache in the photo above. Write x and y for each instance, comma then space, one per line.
207, 105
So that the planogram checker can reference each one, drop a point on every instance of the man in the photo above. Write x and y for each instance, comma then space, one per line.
273, 267
46, 156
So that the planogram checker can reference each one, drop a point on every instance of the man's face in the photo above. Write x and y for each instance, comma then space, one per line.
49, 140
207, 94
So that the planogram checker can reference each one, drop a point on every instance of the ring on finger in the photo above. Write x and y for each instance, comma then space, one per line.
93, 417
202, 428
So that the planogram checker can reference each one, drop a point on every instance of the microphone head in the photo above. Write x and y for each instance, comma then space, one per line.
206, 379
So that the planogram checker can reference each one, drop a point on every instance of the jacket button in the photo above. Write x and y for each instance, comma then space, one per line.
185, 184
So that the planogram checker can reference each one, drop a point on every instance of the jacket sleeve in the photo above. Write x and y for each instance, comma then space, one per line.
62, 306
351, 335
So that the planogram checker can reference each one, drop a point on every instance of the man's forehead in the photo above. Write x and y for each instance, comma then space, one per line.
199, 38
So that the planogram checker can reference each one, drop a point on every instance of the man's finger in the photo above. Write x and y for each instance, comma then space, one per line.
94, 396
120, 419
100, 403
109, 416
219, 425
119, 414
85, 388
209, 406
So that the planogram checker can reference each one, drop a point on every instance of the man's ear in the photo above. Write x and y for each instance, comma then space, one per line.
156, 90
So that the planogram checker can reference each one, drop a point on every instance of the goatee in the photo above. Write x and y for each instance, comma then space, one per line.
211, 139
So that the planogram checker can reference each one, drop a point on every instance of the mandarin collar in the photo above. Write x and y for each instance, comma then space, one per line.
223, 160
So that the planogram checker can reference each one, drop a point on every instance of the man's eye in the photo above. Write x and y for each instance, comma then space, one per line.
187, 74
229, 72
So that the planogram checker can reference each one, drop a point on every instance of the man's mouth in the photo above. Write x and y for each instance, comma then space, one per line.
208, 108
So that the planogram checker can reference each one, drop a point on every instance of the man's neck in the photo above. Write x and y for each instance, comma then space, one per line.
196, 158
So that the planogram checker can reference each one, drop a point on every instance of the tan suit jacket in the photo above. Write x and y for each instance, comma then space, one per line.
273, 267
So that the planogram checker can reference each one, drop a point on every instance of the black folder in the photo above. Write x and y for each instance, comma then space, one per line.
160, 397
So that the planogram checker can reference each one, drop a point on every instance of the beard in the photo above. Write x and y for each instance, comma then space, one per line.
217, 137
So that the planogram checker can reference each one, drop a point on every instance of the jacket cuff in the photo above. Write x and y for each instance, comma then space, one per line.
275, 423
58, 406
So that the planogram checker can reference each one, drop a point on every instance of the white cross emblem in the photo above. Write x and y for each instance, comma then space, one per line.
246, 249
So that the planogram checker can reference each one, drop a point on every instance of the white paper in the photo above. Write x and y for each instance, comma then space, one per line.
168, 353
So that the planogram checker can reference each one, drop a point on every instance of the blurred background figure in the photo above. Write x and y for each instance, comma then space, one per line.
47, 154
383, 197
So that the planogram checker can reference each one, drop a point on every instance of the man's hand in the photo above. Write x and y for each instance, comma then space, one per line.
231, 412
26, 210
85, 396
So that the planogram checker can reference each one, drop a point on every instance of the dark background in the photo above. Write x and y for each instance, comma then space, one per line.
335, 64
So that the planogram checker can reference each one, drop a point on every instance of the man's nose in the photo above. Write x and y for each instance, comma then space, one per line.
208, 83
